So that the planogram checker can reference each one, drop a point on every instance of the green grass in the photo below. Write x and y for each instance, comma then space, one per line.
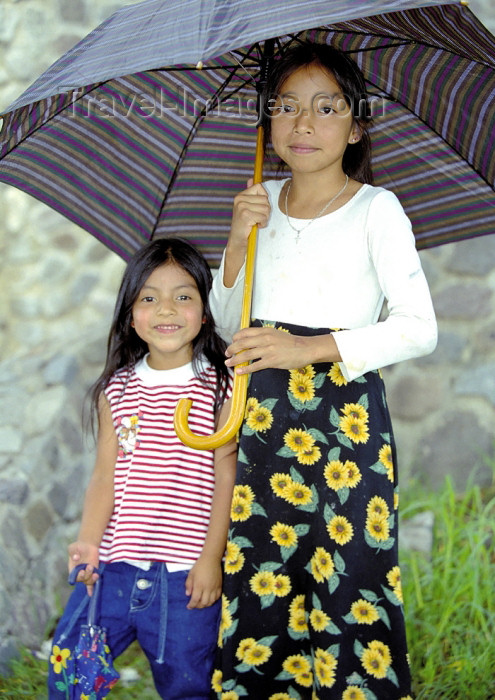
29, 674
450, 596
449, 602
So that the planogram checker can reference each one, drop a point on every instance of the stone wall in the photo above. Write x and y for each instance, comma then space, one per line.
57, 290
443, 405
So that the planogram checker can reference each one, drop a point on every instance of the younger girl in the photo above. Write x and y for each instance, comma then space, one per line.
313, 602
156, 513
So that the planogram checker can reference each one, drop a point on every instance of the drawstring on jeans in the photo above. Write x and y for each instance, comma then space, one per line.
163, 613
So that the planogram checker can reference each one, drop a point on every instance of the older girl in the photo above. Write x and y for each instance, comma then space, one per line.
312, 593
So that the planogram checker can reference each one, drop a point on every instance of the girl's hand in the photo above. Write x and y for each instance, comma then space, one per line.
83, 552
251, 207
204, 583
271, 348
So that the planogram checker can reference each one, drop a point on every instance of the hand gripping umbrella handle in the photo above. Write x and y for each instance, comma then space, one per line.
239, 389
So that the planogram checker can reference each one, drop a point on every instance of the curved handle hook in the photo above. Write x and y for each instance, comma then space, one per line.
239, 389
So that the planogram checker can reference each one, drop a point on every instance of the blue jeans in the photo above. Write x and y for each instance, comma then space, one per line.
149, 606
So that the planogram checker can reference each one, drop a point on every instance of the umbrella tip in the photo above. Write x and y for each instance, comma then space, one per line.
465, 2
199, 65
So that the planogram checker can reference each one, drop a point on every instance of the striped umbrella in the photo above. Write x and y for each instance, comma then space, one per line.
147, 126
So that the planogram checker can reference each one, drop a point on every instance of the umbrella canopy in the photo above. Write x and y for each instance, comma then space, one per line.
147, 126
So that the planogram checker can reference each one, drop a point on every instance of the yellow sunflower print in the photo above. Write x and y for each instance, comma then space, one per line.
382, 649
353, 692
216, 681
378, 507
298, 440
308, 371
336, 375
252, 405
240, 509
319, 620
244, 645
340, 529
234, 558
244, 492
396, 501
354, 429
335, 474
374, 663
322, 566
230, 695
356, 410
305, 679
260, 419
385, 457
345, 483
282, 585
353, 474
297, 603
257, 654
364, 612
279, 481
393, 576
377, 527
309, 456
225, 620
297, 621
302, 388
262, 583
296, 663
324, 673
297, 494
326, 657
394, 580
284, 535
354, 422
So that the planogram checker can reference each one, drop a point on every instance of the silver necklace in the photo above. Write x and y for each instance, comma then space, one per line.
300, 230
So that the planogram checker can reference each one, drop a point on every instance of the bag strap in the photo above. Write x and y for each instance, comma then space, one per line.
93, 602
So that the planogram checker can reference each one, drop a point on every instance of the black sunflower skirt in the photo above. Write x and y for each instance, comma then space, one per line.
312, 602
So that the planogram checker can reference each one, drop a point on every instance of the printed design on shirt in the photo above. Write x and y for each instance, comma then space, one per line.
127, 431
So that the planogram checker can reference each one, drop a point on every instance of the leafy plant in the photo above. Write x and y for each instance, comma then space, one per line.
450, 596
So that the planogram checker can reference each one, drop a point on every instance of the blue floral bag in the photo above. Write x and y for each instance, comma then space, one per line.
88, 672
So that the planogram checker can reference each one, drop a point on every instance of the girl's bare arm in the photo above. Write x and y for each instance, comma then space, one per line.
98, 501
204, 583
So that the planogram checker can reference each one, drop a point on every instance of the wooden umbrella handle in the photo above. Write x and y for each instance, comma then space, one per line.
239, 390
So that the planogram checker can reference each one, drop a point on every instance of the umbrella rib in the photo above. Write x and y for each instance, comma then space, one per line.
191, 135
28, 133
414, 42
396, 44
180, 69
384, 93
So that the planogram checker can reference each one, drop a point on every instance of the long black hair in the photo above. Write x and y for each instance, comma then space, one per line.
125, 348
356, 161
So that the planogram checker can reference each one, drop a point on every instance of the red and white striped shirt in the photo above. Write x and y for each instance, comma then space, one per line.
163, 489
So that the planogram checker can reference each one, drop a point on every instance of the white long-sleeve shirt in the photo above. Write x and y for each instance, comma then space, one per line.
337, 276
